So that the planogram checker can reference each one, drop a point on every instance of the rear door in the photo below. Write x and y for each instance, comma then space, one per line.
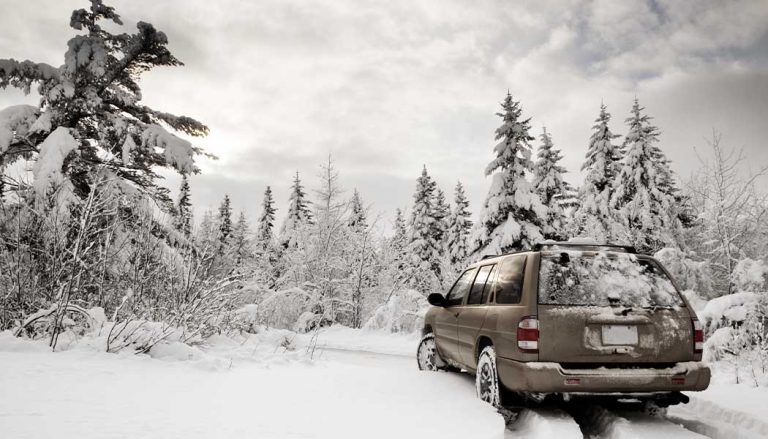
472, 314
610, 308
446, 318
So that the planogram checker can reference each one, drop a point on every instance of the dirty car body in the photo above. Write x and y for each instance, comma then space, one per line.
569, 319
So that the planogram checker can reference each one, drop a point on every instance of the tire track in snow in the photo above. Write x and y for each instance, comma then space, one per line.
718, 422
541, 423
599, 422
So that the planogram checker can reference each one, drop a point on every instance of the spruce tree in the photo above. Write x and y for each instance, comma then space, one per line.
422, 270
594, 216
399, 240
459, 226
512, 215
357, 216
549, 185
225, 219
241, 240
90, 117
441, 213
184, 208
264, 233
299, 213
643, 210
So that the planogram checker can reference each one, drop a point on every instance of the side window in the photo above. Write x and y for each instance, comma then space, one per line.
509, 284
489, 284
476, 294
460, 288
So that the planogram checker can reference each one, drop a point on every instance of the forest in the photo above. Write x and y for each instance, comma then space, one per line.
89, 234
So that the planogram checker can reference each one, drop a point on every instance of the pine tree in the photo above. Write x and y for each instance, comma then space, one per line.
441, 213
299, 213
90, 118
512, 215
594, 217
264, 234
399, 240
225, 219
241, 240
459, 226
642, 208
422, 269
552, 189
357, 216
184, 208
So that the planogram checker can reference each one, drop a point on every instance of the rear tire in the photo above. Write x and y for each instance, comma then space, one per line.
487, 378
427, 356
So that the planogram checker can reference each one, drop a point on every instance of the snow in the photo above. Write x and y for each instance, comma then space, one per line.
53, 150
82, 394
544, 424
16, 118
730, 308
178, 152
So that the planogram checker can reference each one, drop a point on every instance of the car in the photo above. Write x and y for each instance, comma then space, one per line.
565, 320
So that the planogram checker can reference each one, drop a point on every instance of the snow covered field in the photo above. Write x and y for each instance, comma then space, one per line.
357, 384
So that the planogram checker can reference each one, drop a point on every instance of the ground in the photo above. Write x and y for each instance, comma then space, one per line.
341, 384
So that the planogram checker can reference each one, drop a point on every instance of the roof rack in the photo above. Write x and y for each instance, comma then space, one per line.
543, 245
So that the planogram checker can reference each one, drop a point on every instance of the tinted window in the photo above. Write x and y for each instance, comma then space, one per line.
604, 279
489, 284
509, 284
460, 288
476, 294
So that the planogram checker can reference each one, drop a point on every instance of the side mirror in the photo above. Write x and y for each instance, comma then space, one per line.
436, 299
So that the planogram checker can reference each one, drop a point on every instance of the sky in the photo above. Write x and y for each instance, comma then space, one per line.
386, 87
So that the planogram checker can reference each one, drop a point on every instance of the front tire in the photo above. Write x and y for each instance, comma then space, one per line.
487, 377
427, 356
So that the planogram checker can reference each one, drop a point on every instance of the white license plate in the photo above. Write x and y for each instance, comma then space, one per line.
619, 335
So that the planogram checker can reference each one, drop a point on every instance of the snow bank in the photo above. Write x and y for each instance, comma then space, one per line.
725, 310
403, 312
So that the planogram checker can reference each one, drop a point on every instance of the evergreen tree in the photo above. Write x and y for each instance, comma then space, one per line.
512, 215
357, 216
90, 118
184, 208
225, 219
643, 209
594, 217
552, 189
264, 234
441, 213
299, 213
459, 226
241, 240
399, 240
422, 270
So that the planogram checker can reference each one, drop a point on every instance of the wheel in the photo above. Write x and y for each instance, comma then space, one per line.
427, 355
487, 378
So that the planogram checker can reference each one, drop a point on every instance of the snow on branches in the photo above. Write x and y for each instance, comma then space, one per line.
95, 96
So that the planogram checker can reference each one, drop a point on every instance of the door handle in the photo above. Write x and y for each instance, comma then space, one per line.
456, 313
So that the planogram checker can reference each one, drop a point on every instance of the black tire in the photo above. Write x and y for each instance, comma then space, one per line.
427, 356
487, 381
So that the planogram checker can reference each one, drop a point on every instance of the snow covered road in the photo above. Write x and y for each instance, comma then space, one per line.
338, 394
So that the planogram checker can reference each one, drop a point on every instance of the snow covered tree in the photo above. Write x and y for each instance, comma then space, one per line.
357, 215
225, 219
512, 215
242, 250
643, 210
459, 227
422, 267
552, 189
90, 114
299, 214
264, 234
184, 208
441, 213
593, 216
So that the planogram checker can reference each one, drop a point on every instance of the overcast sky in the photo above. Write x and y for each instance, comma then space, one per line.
388, 86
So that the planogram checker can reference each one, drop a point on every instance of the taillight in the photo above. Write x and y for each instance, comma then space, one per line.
698, 337
528, 335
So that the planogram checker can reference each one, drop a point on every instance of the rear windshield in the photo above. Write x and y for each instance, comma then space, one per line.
604, 279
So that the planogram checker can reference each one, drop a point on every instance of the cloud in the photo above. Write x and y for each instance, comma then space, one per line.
386, 87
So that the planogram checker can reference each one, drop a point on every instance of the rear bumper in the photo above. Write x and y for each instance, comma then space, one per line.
541, 377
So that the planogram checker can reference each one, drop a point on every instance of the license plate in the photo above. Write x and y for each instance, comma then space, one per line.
619, 335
